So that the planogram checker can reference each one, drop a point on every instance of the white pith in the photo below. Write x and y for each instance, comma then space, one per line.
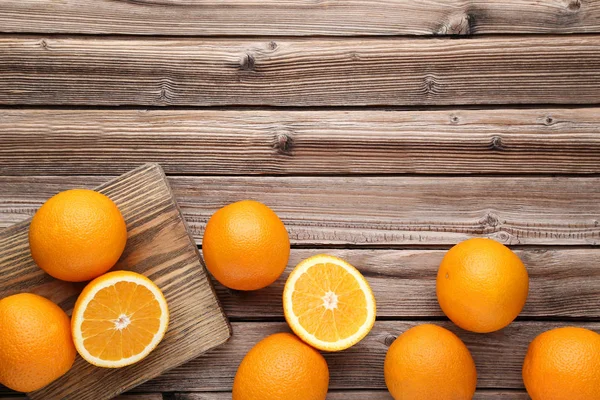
293, 320
330, 300
78, 319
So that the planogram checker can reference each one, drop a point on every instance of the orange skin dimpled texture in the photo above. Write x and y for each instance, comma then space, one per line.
35, 342
428, 362
281, 367
563, 364
77, 235
482, 285
245, 245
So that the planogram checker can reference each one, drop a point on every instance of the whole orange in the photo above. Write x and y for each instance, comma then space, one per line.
35, 342
482, 285
563, 364
281, 367
77, 235
245, 245
428, 362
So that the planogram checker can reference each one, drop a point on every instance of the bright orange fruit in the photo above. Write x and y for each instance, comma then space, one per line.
281, 367
563, 364
482, 285
35, 342
245, 245
328, 303
118, 319
77, 235
428, 362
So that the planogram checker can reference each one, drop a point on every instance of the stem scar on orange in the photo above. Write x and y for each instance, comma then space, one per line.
245, 245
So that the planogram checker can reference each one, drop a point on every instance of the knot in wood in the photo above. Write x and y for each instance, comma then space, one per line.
458, 24
272, 45
454, 119
389, 339
491, 220
549, 120
284, 143
504, 237
43, 44
248, 62
430, 84
496, 143
574, 5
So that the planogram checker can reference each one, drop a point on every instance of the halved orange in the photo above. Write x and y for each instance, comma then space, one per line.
118, 319
328, 303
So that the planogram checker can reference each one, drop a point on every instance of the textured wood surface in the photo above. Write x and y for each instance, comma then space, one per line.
483, 120
564, 283
332, 395
139, 396
294, 72
363, 395
373, 211
158, 246
300, 17
217, 142
498, 357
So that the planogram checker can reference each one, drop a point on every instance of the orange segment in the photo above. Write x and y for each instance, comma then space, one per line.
328, 303
118, 319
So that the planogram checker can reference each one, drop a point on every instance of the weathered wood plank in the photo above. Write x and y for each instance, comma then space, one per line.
316, 72
361, 395
158, 246
208, 142
498, 356
563, 283
127, 396
300, 17
379, 211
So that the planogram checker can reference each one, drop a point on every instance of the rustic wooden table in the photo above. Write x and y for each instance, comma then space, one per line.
374, 134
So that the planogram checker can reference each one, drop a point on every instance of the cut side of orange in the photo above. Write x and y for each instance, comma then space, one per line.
118, 319
328, 303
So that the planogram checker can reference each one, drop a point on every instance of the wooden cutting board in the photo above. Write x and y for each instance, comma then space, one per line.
158, 246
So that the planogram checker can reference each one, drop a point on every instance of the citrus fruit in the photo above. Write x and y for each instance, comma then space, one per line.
281, 367
118, 319
428, 362
328, 303
563, 364
245, 245
482, 285
35, 342
77, 235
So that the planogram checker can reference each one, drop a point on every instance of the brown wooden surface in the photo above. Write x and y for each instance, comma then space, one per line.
362, 395
403, 282
158, 246
374, 211
293, 72
300, 17
498, 357
333, 395
217, 142
482, 119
